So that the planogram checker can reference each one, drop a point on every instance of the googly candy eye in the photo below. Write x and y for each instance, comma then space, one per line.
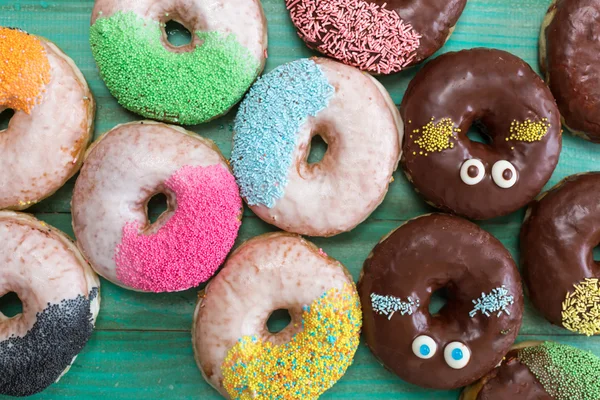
457, 355
504, 174
424, 347
472, 171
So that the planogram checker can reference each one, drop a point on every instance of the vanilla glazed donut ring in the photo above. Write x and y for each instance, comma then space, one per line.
181, 84
53, 121
234, 349
61, 300
189, 241
273, 129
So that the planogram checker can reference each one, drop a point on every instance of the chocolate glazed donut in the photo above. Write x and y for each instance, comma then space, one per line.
557, 239
502, 95
569, 48
474, 329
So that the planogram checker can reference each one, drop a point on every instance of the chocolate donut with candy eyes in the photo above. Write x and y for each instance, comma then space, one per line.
476, 327
502, 95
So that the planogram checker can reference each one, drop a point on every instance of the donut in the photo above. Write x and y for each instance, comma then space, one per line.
471, 333
186, 84
569, 48
61, 299
381, 37
122, 171
512, 107
53, 119
540, 371
272, 135
235, 351
559, 233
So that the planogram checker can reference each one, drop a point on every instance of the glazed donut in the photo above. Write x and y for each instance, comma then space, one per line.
181, 84
558, 236
377, 36
273, 129
569, 48
473, 330
187, 243
512, 106
61, 299
53, 121
540, 371
235, 351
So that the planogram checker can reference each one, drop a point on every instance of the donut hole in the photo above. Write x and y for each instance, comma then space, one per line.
438, 300
478, 133
596, 253
157, 206
10, 305
318, 148
177, 34
5, 117
278, 320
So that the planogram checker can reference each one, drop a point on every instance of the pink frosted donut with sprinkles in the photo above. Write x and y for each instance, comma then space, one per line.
378, 36
185, 246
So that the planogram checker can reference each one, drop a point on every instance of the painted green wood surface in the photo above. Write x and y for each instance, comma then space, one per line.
141, 347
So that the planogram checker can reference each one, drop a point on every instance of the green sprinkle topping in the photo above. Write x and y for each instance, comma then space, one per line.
565, 372
186, 88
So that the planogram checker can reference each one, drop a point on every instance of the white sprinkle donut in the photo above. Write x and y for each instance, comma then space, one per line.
273, 129
234, 349
61, 299
185, 246
53, 122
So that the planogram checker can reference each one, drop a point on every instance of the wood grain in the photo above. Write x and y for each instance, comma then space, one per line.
141, 348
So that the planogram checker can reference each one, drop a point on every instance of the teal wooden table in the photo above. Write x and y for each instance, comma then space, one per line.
141, 347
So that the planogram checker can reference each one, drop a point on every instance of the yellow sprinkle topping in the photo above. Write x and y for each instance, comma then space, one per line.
435, 137
581, 309
528, 131
24, 69
309, 364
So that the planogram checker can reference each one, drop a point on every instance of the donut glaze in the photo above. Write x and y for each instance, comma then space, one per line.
509, 102
61, 299
181, 84
189, 241
569, 48
273, 129
558, 236
232, 343
540, 371
377, 36
53, 120
430, 253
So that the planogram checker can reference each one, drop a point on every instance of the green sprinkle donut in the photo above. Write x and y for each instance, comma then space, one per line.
150, 77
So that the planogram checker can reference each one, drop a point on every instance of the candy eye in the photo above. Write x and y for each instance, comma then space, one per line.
472, 171
457, 355
504, 174
424, 347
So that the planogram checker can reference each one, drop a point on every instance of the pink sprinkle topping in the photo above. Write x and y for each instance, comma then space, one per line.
356, 32
189, 248
321, 252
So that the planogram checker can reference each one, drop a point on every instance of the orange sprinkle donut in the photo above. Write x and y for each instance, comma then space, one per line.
53, 120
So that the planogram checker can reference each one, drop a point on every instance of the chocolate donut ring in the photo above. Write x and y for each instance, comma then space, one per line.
540, 371
378, 36
480, 320
557, 238
569, 47
500, 92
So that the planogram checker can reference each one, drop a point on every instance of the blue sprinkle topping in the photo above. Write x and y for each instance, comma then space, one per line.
425, 350
388, 305
266, 126
496, 301
457, 354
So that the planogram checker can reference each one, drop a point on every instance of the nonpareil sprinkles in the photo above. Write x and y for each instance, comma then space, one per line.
356, 32
528, 130
306, 366
495, 302
388, 305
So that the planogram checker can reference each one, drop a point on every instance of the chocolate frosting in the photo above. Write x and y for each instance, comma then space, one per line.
571, 63
557, 240
492, 88
424, 255
512, 380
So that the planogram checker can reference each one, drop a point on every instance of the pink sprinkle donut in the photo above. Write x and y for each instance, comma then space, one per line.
189, 241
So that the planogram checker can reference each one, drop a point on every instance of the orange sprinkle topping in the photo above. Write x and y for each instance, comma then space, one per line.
24, 69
